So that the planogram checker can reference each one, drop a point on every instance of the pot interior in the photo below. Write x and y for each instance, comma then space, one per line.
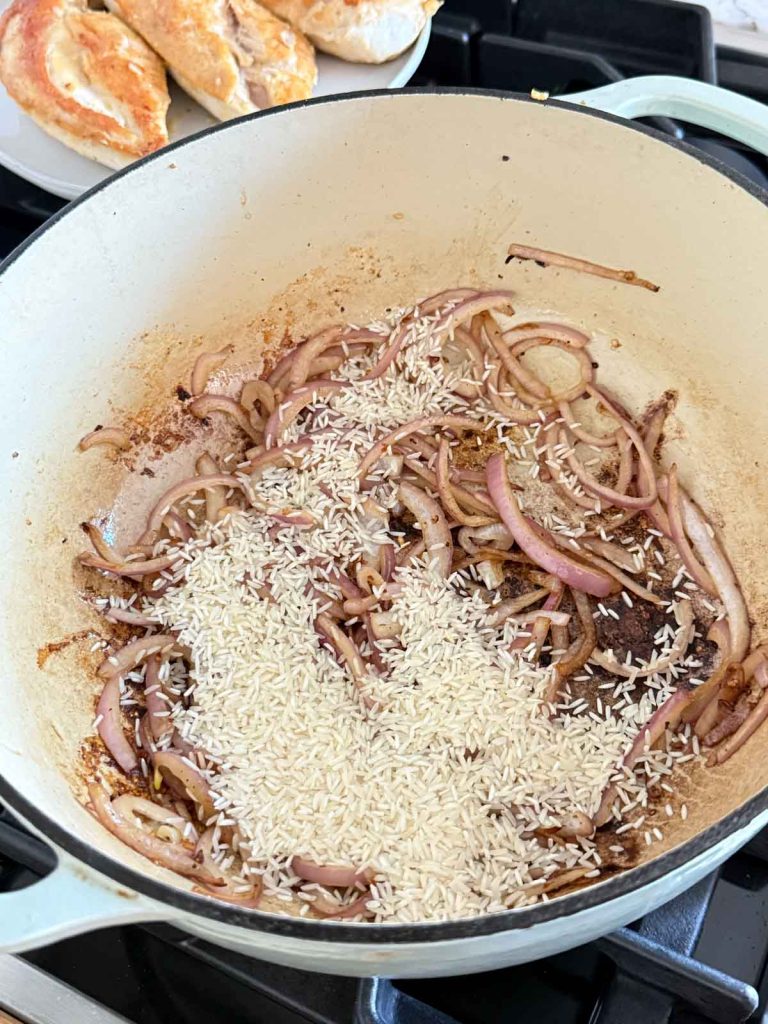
273, 226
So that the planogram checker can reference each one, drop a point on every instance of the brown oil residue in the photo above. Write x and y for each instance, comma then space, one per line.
55, 646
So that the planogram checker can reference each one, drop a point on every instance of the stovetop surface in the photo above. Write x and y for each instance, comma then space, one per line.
701, 958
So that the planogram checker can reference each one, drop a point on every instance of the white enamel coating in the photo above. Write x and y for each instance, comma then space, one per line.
74, 900
699, 103
69, 901
272, 224
29, 152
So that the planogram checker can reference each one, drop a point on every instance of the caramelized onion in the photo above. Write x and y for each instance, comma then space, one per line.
105, 435
679, 539
206, 364
135, 652
423, 423
555, 259
667, 716
298, 400
334, 875
174, 856
431, 522
205, 404
677, 652
533, 541
110, 728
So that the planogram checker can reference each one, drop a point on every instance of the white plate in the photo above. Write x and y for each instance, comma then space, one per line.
26, 150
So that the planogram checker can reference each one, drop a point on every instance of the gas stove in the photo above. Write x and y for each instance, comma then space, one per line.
701, 958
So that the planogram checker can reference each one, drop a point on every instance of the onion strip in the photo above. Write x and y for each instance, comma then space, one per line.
533, 541
546, 258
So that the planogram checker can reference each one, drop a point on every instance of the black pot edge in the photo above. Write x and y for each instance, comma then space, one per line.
379, 934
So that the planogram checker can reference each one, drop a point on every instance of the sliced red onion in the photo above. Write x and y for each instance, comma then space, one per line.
679, 539
677, 652
228, 885
447, 496
578, 653
129, 616
589, 482
475, 500
169, 855
502, 402
107, 436
454, 422
110, 729
556, 618
205, 404
552, 331
431, 522
719, 567
384, 625
528, 386
460, 313
410, 552
611, 552
206, 364
598, 440
280, 455
667, 716
160, 723
555, 259
102, 548
756, 717
542, 622
184, 780
309, 351
324, 601
135, 652
130, 806
258, 391
326, 908
178, 527
181, 490
499, 613
387, 563
347, 652
215, 497
586, 370
563, 878
533, 541
335, 875
575, 824
431, 305
368, 578
707, 720
301, 520
626, 581
298, 400
348, 587
491, 573
754, 659
727, 725
495, 534
137, 568
463, 339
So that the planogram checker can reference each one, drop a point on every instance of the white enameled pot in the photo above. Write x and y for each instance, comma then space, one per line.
343, 207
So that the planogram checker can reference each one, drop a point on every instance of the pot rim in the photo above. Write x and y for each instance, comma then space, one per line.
377, 934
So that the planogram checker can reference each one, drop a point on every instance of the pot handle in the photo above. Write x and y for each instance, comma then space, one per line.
684, 99
70, 900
